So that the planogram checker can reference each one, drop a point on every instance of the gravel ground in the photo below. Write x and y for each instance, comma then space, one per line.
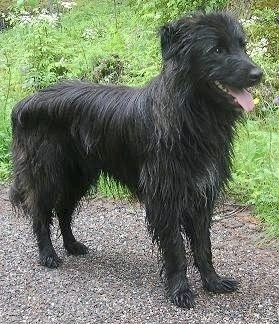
118, 282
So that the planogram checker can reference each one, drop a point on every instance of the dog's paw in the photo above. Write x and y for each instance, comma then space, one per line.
183, 298
178, 290
76, 248
50, 260
221, 285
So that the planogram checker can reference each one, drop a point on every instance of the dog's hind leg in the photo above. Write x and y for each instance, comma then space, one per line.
64, 213
70, 243
76, 183
41, 199
198, 231
33, 191
38, 205
41, 227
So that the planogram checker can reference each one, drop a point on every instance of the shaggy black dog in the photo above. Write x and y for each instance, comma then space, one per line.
170, 142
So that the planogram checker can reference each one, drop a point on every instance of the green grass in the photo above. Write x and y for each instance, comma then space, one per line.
95, 31
256, 172
110, 188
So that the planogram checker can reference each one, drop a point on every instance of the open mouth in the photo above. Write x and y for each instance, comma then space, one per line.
241, 97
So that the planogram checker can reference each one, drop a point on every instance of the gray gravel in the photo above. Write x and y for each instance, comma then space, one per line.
118, 282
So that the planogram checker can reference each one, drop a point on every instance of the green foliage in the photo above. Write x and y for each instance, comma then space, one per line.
5, 136
256, 170
264, 24
4, 5
108, 70
31, 3
263, 46
44, 57
160, 11
264, 4
5, 156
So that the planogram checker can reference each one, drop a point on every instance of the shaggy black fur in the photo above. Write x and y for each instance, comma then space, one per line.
170, 142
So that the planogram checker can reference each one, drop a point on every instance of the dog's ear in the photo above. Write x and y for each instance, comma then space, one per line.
172, 34
168, 39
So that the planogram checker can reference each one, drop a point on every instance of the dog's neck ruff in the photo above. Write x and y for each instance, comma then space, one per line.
188, 118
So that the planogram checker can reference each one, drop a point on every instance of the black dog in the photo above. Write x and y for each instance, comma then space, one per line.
170, 142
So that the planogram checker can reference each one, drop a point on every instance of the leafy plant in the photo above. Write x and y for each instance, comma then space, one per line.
164, 10
108, 70
45, 58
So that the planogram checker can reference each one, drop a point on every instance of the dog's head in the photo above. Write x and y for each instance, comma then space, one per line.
211, 51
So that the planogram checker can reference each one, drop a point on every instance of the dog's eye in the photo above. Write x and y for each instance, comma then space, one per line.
242, 43
219, 50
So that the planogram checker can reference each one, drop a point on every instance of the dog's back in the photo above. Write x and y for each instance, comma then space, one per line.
69, 100
74, 130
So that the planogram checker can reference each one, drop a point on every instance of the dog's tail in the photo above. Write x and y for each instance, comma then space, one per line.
39, 160
16, 196
20, 183
21, 160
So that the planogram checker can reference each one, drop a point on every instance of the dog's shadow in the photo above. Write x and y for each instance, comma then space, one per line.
107, 266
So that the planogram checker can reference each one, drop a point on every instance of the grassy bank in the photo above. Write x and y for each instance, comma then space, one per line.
109, 42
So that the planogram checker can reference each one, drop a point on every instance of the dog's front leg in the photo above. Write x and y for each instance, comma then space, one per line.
171, 245
197, 228
178, 289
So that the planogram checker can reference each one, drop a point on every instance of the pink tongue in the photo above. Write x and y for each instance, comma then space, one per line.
243, 97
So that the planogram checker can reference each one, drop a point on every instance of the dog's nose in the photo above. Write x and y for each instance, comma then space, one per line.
255, 75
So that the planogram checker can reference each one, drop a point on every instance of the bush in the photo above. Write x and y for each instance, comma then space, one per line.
108, 70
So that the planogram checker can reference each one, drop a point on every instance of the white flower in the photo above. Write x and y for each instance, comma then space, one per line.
258, 49
25, 19
88, 34
248, 22
51, 18
68, 4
